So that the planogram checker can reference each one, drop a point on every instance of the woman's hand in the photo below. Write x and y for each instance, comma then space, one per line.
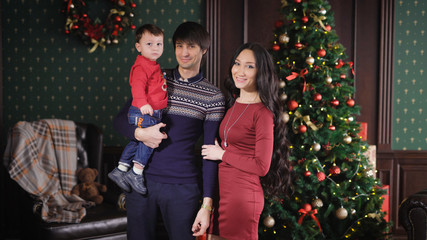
151, 136
212, 152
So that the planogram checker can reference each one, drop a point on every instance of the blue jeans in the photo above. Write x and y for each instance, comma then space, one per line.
136, 150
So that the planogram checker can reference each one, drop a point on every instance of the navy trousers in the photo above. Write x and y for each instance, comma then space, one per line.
178, 205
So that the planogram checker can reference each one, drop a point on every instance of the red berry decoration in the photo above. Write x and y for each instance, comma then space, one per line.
302, 129
276, 47
317, 97
335, 102
292, 105
307, 173
321, 52
278, 23
307, 207
320, 176
334, 170
350, 102
304, 19
331, 127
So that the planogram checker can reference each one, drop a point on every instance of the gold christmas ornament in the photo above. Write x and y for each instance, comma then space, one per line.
269, 221
309, 60
284, 97
353, 211
316, 147
317, 203
347, 139
341, 213
283, 38
282, 84
285, 117
328, 80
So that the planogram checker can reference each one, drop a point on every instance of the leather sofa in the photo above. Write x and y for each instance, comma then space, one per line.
413, 215
104, 221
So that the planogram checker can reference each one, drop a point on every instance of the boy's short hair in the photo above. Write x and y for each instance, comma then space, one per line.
151, 28
191, 32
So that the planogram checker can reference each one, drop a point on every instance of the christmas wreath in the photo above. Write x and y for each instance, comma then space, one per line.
94, 32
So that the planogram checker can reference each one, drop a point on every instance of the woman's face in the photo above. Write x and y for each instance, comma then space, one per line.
244, 71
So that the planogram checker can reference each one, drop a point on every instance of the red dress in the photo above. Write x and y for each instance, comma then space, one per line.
247, 157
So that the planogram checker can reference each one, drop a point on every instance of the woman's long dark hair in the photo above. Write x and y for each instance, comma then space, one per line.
278, 179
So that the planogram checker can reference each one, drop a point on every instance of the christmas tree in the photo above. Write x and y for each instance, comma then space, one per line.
334, 194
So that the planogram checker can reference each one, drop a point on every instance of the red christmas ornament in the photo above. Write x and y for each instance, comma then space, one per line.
304, 19
335, 102
278, 23
317, 97
343, 76
302, 129
321, 52
331, 127
118, 18
307, 173
133, 27
133, 5
334, 170
328, 28
307, 207
292, 105
320, 176
350, 102
298, 45
276, 47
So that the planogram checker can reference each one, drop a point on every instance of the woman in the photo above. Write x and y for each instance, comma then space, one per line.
253, 144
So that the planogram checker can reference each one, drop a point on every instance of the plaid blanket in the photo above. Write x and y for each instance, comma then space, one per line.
41, 157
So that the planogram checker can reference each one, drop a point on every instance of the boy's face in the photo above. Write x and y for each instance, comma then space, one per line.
150, 46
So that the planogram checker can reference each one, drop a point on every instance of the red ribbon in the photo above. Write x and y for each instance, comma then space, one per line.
295, 75
304, 213
340, 64
68, 5
351, 66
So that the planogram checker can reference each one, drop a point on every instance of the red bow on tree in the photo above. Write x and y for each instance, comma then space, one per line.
306, 211
295, 75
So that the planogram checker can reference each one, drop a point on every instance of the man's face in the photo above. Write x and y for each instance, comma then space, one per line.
188, 55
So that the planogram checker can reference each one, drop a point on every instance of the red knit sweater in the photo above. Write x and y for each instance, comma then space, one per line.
148, 84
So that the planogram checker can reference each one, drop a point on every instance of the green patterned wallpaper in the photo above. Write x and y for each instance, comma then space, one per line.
410, 100
48, 74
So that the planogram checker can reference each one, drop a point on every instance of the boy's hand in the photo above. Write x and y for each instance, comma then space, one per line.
147, 109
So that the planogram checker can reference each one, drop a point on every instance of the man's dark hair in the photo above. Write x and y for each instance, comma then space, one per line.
191, 32
151, 28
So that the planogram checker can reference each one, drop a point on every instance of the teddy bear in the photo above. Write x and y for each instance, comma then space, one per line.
87, 188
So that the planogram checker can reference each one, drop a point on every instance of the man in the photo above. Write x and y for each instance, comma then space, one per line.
195, 106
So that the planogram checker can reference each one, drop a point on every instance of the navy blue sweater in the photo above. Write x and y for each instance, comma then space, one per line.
195, 108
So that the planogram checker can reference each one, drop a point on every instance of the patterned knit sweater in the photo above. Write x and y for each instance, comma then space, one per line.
195, 108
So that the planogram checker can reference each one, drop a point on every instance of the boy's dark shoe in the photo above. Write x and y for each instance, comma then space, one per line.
136, 181
118, 177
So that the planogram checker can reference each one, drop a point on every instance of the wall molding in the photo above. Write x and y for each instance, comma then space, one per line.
385, 120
